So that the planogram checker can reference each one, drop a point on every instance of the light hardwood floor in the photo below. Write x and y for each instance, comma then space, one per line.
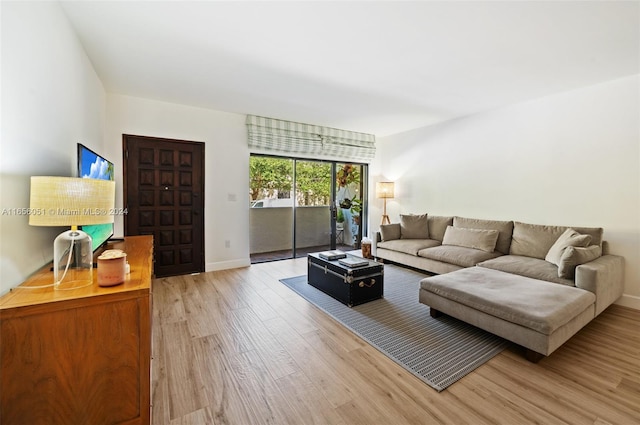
238, 347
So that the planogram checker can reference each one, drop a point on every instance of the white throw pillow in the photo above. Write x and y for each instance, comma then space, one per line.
569, 238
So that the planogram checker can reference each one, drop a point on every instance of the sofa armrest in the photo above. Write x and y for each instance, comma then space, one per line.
604, 277
374, 245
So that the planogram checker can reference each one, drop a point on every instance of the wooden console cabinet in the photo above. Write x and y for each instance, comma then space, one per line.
79, 356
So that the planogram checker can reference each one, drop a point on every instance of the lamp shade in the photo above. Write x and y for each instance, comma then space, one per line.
70, 201
384, 190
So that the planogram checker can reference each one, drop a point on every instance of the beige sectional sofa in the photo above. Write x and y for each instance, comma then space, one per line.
535, 285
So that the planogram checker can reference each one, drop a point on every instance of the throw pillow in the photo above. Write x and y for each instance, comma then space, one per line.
389, 232
414, 226
504, 227
574, 256
482, 239
569, 238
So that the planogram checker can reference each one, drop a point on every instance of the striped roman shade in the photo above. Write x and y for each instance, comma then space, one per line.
268, 135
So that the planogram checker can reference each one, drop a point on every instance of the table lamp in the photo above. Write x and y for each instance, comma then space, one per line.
71, 201
384, 190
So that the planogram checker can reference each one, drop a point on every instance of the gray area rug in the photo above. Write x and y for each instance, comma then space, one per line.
438, 351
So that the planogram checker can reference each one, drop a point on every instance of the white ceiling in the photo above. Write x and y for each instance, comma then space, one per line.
375, 67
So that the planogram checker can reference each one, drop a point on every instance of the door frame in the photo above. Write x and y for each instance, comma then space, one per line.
333, 208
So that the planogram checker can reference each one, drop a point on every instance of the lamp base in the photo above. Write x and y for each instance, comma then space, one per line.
72, 260
385, 219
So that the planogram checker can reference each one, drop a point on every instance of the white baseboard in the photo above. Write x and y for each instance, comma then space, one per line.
225, 265
630, 301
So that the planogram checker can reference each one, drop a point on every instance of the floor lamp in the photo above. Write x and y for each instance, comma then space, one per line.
384, 190
71, 202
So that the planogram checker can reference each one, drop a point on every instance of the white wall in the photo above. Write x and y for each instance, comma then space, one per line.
51, 100
226, 166
569, 159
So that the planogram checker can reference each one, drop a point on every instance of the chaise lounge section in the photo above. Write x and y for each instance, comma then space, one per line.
535, 285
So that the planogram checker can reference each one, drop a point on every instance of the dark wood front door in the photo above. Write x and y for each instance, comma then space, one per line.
164, 196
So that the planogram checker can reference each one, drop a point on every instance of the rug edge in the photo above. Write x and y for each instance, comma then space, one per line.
494, 351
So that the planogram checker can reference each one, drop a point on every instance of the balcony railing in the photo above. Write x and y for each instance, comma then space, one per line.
272, 228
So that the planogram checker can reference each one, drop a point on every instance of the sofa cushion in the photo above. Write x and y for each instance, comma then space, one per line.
438, 225
408, 246
504, 227
534, 304
390, 231
484, 240
534, 268
414, 226
574, 256
569, 238
457, 255
535, 240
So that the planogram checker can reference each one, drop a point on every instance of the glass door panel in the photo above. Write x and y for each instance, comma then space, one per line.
271, 213
313, 207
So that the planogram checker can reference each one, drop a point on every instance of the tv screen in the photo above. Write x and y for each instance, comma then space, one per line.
93, 166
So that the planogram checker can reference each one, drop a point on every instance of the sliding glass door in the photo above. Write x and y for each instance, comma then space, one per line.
300, 206
312, 215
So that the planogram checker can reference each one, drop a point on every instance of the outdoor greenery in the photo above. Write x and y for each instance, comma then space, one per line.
269, 176
272, 178
312, 183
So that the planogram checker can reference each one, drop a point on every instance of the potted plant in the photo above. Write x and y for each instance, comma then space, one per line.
340, 217
347, 175
345, 204
356, 209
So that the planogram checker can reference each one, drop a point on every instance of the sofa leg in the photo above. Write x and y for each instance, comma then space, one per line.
533, 356
434, 313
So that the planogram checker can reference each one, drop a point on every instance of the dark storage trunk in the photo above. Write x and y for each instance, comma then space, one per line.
351, 286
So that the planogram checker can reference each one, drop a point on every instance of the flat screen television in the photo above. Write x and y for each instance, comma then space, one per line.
93, 166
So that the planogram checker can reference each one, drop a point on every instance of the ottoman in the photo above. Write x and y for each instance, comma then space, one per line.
535, 314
